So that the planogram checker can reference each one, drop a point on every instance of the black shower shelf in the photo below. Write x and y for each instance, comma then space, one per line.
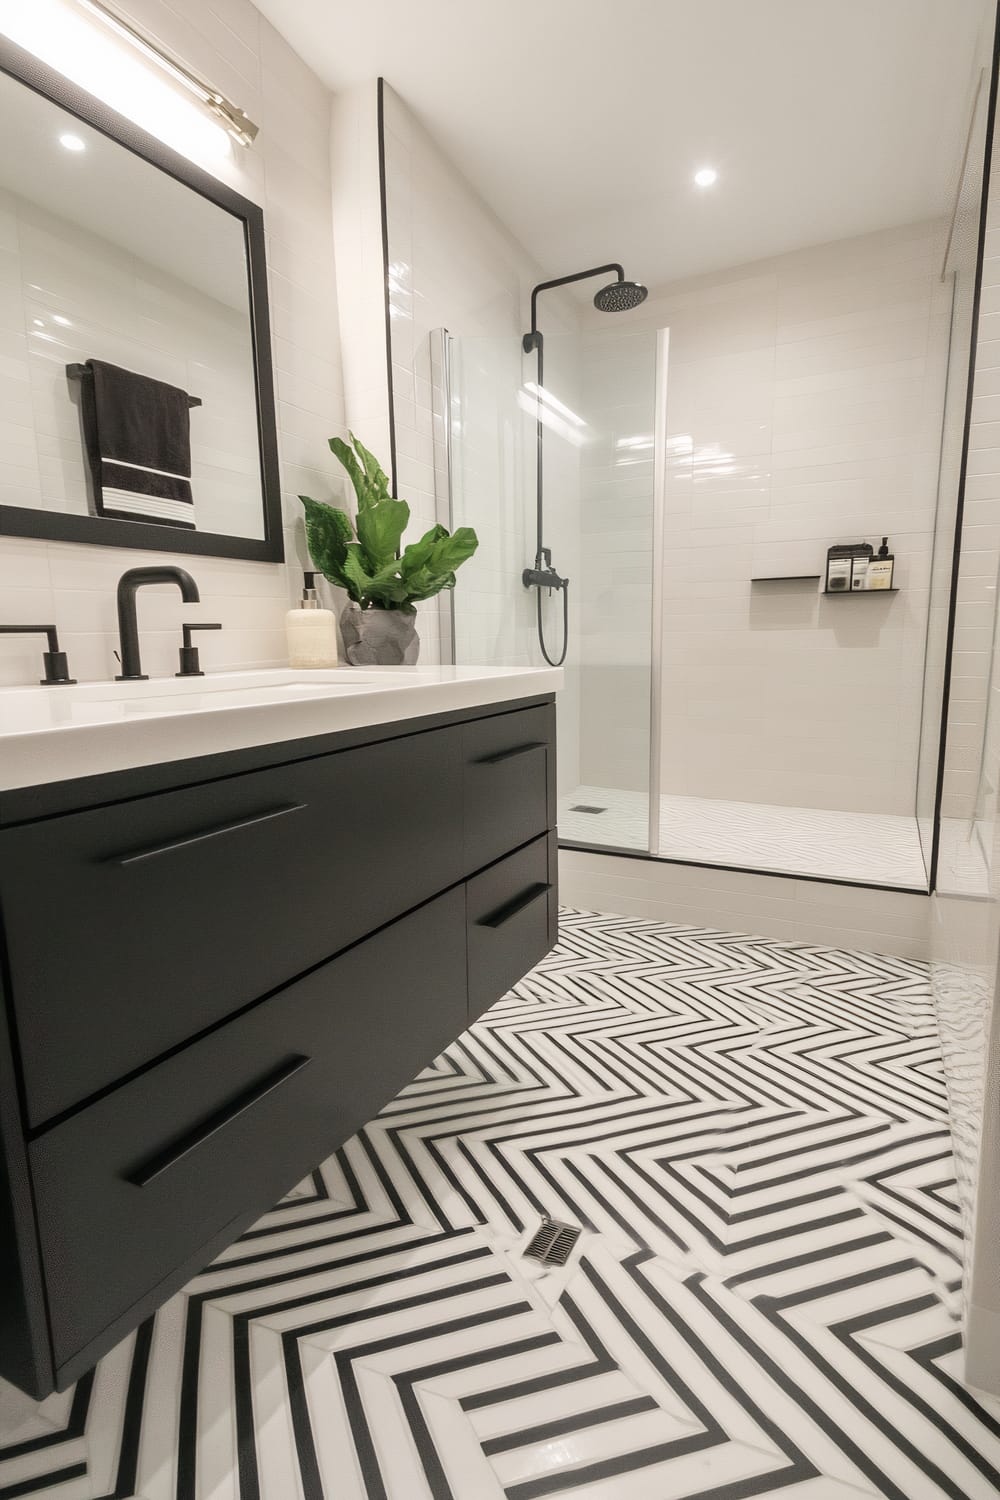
787, 578
855, 593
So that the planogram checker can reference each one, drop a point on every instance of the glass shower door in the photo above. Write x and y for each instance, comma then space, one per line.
601, 454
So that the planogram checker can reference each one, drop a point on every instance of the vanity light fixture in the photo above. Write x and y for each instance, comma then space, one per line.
72, 142
234, 120
706, 176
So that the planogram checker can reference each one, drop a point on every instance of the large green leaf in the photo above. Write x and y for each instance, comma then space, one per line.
377, 478
380, 530
357, 575
428, 566
417, 554
328, 535
354, 469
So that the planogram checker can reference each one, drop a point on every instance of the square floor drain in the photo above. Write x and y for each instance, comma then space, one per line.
582, 807
553, 1243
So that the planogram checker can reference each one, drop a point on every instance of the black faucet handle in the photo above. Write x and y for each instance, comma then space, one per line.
189, 661
56, 663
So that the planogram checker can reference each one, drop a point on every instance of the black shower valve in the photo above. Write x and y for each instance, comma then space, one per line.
543, 578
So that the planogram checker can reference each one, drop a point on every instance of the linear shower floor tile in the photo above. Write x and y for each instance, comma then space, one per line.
877, 848
765, 1298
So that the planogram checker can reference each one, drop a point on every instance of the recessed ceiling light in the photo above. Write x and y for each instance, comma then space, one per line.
705, 176
72, 143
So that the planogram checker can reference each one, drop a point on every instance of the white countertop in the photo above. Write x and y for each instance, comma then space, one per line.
50, 734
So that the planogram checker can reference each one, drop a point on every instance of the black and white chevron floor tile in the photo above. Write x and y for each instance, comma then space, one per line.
754, 1137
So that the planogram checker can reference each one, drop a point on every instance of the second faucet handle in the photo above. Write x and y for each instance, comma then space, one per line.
190, 663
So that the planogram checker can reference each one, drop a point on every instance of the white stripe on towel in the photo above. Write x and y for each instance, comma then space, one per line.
149, 505
121, 463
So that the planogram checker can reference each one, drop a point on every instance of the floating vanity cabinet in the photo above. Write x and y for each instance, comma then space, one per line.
217, 970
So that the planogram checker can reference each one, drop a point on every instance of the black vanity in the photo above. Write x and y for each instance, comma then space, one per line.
217, 969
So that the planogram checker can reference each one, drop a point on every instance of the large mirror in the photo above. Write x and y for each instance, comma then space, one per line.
135, 363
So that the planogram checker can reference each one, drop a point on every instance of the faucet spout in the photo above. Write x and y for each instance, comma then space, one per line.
128, 625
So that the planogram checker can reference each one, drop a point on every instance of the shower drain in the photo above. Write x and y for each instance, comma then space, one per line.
553, 1243
582, 807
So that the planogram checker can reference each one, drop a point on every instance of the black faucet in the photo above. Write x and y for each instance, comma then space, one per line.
128, 627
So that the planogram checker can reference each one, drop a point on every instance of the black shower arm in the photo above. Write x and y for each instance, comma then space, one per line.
544, 286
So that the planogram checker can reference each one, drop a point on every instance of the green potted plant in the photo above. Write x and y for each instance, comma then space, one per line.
383, 583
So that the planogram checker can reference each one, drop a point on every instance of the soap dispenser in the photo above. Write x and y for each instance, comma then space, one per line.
881, 567
311, 631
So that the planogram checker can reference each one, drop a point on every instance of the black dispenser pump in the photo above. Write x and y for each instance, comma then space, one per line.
883, 551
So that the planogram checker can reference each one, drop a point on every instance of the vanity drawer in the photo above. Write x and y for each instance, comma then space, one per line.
509, 782
132, 927
133, 1185
513, 920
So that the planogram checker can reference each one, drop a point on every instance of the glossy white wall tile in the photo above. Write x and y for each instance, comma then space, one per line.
804, 403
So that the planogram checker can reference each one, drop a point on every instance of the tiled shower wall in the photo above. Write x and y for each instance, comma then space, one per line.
288, 173
804, 403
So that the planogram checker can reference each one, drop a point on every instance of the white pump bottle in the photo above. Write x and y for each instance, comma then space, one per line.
311, 631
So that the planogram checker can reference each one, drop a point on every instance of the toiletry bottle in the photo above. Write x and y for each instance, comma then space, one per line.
880, 568
859, 573
312, 634
838, 575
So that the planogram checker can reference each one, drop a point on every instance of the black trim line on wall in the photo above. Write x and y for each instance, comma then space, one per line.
384, 212
956, 555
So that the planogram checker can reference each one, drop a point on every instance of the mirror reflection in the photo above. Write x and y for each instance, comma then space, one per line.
127, 348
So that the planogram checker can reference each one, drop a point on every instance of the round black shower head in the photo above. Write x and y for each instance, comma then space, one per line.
620, 296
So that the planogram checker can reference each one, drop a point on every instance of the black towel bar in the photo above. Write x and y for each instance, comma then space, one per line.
77, 372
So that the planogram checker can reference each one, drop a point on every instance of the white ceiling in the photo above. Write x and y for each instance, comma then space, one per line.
581, 123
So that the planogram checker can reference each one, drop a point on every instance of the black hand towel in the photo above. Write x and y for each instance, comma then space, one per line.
138, 437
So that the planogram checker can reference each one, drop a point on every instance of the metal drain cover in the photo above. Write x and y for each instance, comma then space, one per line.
582, 807
553, 1243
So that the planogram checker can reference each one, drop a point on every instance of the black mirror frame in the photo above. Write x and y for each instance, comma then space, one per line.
102, 531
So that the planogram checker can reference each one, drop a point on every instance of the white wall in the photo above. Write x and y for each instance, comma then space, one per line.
803, 408
454, 265
288, 173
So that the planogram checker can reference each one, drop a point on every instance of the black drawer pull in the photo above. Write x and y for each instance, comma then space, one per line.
208, 833
512, 908
494, 760
154, 1168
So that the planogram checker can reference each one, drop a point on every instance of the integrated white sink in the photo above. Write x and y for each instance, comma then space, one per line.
107, 702
58, 733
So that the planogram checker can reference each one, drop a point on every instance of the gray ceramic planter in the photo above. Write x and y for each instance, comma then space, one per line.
380, 637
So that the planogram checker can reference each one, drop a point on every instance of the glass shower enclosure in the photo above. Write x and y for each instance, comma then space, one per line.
719, 707
604, 450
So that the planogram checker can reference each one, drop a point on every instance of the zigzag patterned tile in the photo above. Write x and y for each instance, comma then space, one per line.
765, 1297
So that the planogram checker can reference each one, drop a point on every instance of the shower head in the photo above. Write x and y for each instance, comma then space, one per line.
619, 296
